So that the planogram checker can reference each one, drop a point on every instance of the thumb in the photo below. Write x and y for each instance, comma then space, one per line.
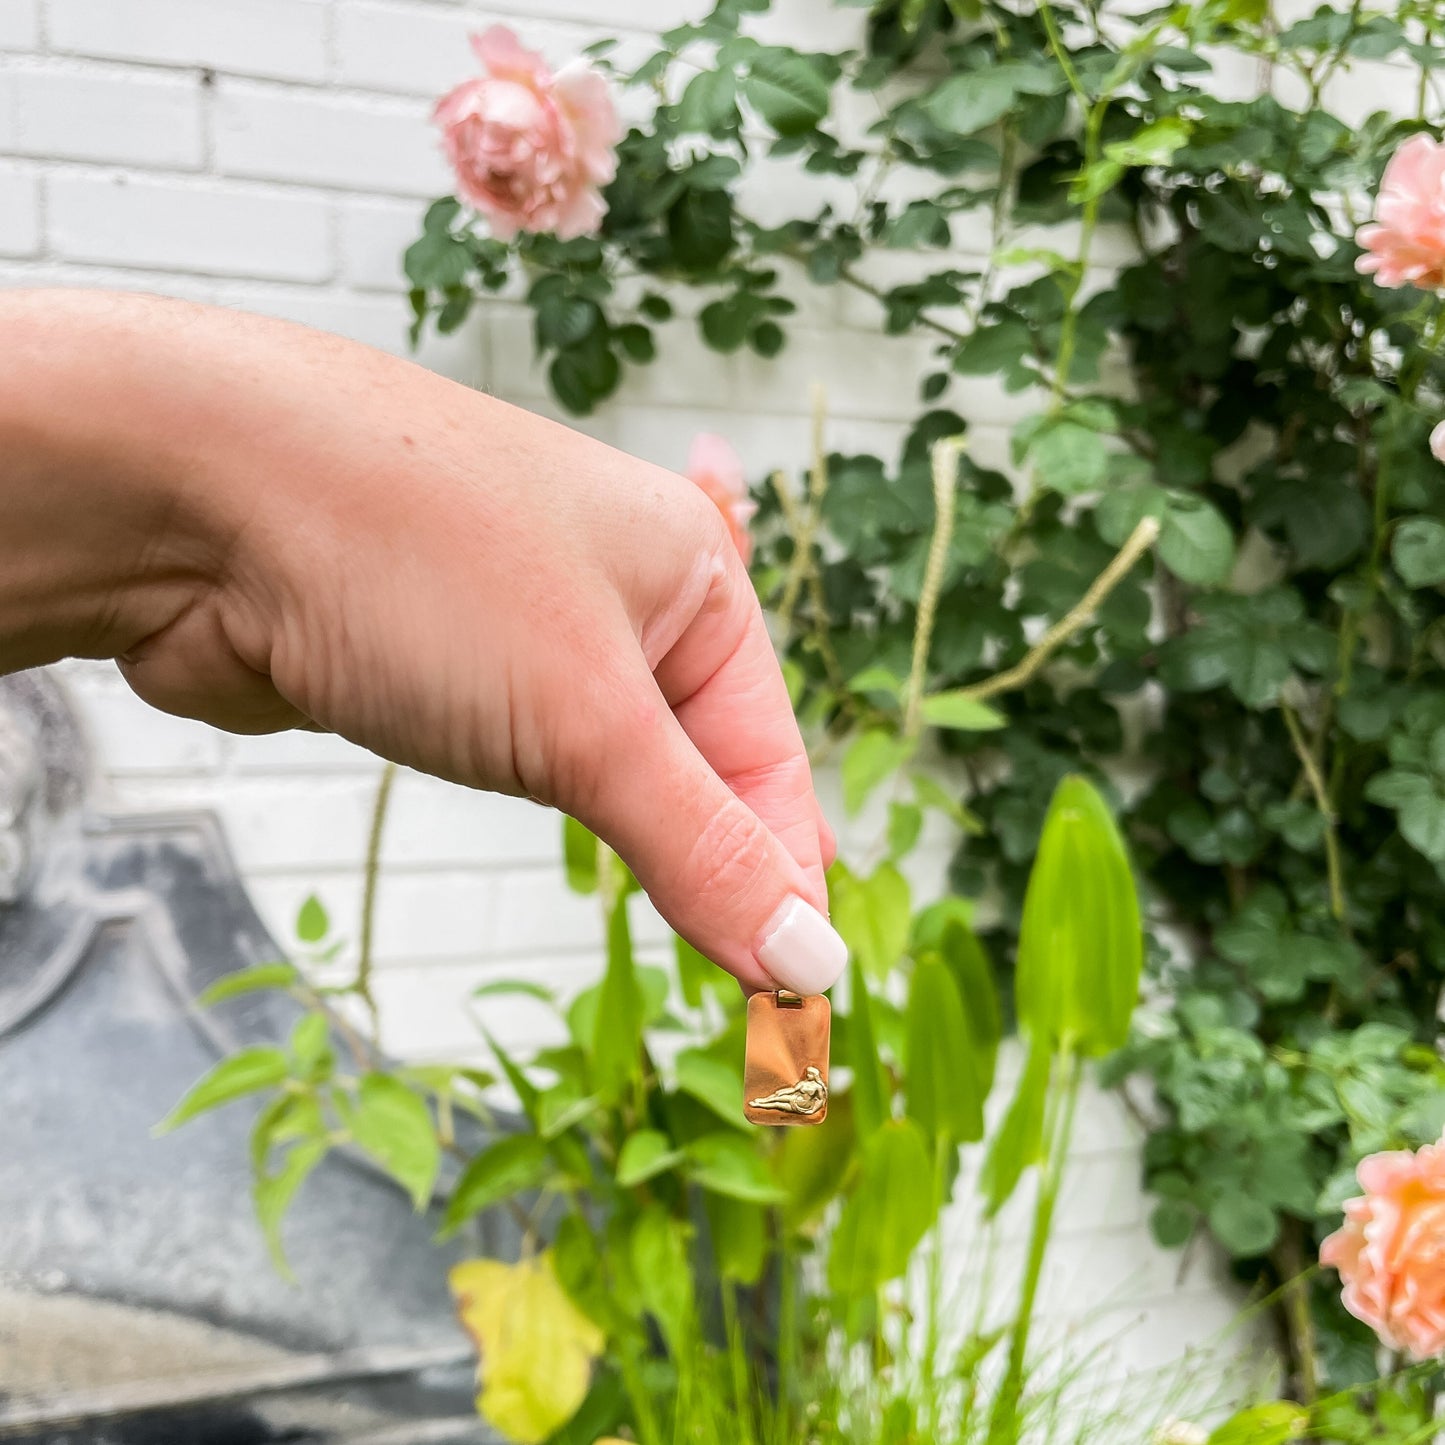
712, 868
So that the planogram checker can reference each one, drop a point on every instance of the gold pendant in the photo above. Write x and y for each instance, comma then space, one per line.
785, 1080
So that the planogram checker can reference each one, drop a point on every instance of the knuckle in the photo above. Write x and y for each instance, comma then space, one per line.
729, 857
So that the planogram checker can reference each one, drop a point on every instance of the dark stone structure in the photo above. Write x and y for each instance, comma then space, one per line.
137, 1302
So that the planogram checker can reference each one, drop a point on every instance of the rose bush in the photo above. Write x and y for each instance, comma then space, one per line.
530, 149
1260, 383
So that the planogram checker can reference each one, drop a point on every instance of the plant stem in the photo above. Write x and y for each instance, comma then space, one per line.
1321, 792
1003, 1427
803, 523
1301, 1324
946, 456
365, 964
1139, 542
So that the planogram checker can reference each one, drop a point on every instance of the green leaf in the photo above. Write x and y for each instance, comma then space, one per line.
1070, 458
1244, 1226
724, 324
312, 922
871, 757
994, 348
502, 987
511, 1165
1153, 145
961, 712
870, 1092
812, 1164
1019, 1142
973, 974
247, 1072
966, 103
1275, 1423
905, 823
730, 1164
647, 1153
617, 1035
272, 1193
709, 103
888, 1213
249, 980
1172, 1222
311, 1055
713, 1083
564, 320
739, 1234
941, 1090
700, 226
395, 1127
1196, 543
931, 794
1418, 551
790, 91
696, 972
767, 339
663, 1270
1080, 942
872, 914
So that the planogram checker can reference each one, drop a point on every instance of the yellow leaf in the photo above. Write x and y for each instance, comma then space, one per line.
536, 1346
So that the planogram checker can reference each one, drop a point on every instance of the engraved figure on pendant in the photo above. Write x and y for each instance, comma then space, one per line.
807, 1096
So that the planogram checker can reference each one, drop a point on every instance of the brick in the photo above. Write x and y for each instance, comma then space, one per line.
19, 213
437, 915
403, 48
205, 227
272, 826
383, 147
608, 15
92, 115
395, 47
432, 822
281, 38
133, 737
373, 235
373, 320
20, 25
376, 321
300, 752
536, 910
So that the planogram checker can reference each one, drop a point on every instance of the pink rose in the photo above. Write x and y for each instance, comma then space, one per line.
715, 467
1437, 441
1405, 245
1390, 1252
530, 148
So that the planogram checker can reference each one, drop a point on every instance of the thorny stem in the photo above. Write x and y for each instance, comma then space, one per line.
365, 964
947, 454
1321, 792
1139, 542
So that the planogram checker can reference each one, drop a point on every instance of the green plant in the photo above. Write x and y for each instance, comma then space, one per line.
699, 1257
1271, 676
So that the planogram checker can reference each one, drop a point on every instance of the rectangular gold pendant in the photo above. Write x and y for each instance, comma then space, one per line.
785, 1079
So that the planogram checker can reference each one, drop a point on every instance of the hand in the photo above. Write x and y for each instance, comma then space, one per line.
272, 528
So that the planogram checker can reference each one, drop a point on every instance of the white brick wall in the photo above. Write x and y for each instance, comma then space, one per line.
275, 155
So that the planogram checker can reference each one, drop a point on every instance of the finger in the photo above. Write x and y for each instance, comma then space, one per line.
726, 689
714, 869
827, 839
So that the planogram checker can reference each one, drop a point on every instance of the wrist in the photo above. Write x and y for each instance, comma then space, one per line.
105, 542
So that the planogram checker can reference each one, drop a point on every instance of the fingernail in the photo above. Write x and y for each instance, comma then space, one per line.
801, 950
